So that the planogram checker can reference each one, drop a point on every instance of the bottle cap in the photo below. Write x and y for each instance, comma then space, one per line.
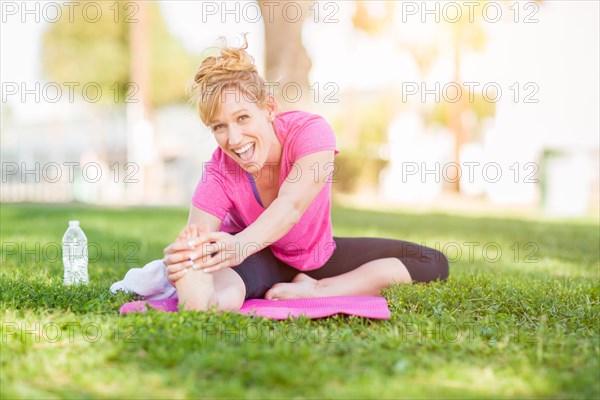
73, 223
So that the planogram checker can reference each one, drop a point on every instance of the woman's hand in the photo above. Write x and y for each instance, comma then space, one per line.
219, 250
181, 254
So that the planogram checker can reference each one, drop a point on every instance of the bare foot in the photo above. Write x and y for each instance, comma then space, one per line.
192, 231
302, 286
189, 232
196, 289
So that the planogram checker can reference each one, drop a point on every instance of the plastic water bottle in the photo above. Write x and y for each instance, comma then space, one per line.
75, 255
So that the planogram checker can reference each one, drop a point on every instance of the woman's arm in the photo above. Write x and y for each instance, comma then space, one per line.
295, 196
200, 217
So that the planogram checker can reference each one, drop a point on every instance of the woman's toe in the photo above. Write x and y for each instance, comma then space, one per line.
272, 294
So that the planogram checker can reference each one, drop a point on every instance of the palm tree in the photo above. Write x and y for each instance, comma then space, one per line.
465, 35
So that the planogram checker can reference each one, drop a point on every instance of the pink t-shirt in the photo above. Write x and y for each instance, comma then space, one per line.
225, 191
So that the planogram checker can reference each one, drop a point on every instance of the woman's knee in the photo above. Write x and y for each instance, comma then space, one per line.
429, 265
439, 264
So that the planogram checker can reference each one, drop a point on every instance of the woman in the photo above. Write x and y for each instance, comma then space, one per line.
260, 223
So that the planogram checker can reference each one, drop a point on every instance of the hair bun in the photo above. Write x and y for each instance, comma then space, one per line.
231, 66
234, 60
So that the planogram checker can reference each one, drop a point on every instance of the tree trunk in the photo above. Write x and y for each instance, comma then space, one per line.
457, 110
287, 62
141, 141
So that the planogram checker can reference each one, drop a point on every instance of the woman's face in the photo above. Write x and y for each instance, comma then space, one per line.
244, 131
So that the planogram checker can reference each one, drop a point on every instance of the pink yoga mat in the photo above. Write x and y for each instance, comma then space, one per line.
363, 306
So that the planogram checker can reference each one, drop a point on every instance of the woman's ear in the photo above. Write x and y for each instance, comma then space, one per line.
271, 107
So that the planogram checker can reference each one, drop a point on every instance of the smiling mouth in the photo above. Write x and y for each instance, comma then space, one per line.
245, 153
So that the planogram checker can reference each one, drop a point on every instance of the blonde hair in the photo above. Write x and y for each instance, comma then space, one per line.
230, 68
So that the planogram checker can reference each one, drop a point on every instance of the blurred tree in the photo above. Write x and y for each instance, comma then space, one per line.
363, 20
442, 113
126, 50
465, 35
359, 165
87, 51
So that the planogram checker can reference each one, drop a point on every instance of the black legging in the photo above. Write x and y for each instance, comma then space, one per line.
262, 270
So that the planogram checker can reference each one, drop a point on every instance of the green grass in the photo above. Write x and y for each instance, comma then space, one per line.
520, 323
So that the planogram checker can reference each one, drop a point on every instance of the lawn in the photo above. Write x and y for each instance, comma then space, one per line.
517, 318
